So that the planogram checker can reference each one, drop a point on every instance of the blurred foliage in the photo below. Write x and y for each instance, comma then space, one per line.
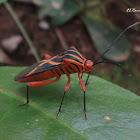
92, 13
1, 1
60, 11
102, 32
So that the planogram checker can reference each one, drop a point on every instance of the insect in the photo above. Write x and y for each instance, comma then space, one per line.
68, 62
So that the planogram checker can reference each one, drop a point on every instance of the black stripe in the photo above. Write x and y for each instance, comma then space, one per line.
68, 70
62, 70
85, 62
68, 57
57, 59
45, 66
42, 58
58, 73
76, 66
71, 68
71, 48
72, 58
74, 53
52, 71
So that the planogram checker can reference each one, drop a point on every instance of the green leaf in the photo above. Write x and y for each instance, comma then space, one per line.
49, 7
37, 120
1, 1
51, 4
59, 14
103, 34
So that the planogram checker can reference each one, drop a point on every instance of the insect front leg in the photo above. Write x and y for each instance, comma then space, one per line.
87, 79
84, 89
81, 75
65, 90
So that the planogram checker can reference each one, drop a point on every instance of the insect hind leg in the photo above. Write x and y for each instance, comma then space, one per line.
36, 84
27, 98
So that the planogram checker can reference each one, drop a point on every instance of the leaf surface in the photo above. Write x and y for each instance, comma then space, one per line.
37, 120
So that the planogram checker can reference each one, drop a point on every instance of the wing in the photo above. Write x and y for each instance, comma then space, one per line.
56, 61
53, 62
40, 66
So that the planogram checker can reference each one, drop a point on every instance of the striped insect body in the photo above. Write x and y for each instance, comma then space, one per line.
68, 62
71, 61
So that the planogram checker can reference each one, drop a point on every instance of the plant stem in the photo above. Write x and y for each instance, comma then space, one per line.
61, 38
20, 26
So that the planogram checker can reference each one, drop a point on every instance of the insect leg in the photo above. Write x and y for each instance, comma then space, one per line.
27, 98
87, 79
84, 89
65, 90
42, 83
36, 84
46, 56
81, 75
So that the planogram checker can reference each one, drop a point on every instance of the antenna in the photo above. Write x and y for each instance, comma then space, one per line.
96, 61
116, 40
115, 63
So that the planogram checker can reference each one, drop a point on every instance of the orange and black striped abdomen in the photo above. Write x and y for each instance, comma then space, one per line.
68, 69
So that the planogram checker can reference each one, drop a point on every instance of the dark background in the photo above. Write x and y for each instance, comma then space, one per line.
57, 38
